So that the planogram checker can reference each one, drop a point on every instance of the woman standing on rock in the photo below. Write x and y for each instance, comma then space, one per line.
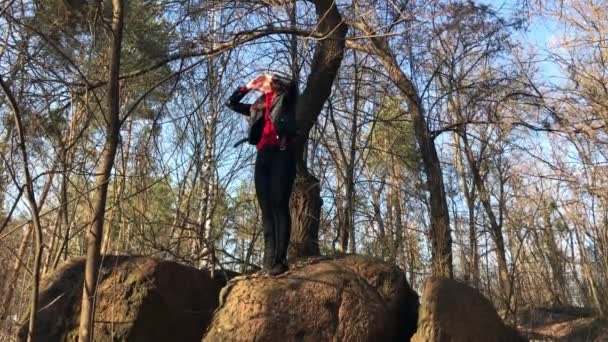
271, 128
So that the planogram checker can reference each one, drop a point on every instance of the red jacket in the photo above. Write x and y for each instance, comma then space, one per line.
269, 133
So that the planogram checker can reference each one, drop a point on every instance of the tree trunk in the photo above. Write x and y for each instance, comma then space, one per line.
554, 256
209, 196
439, 231
123, 236
472, 269
292, 9
388, 241
52, 245
349, 213
413, 262
305, 208
592, 282
33, 208
112, 131
305, 205
397, 247
441, 239
340, 204
378, 220
78, 121
11, 279
495, 227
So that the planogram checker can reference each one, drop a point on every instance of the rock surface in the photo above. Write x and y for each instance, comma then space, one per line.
139, 299
452, 311
352, 298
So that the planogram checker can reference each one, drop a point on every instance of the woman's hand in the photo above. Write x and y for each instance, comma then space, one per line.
262, 83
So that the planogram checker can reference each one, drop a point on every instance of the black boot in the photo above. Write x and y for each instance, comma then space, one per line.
279, 264
282, 236
278, 268
269, 254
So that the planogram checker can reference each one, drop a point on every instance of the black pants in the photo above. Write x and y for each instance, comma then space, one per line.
275, 171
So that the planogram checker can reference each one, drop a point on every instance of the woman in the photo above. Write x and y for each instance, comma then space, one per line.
271, 128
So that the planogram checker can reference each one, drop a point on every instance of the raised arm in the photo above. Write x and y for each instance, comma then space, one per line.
234, 101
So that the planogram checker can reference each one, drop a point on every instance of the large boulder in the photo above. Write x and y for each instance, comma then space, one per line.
390, 282
352, 298
452, 311
139, 299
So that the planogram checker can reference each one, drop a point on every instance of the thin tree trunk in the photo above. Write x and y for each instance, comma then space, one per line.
349, 212
496, 228
53, 243
79, 117
177, 227
378, 215
553, 255
112, 130
340, 204
439, 231
11, 280
209, 195
469, 194
65, 217
398, 211
588, 273
293, 48
205, 213
412, 256
33, 207
440, 236
388, 242
123, 235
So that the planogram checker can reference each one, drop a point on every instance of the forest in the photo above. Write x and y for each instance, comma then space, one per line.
456, 138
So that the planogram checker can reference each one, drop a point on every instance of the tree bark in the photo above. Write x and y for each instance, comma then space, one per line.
112, 130
340, 204
439, 234
472, 267
377, 218
349, 213
439, 231
33, 207
554, 256
345, 159
592, 282
11, 280
396, 172
305, 206
495, 227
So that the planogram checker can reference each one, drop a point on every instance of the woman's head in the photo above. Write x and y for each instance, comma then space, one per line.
267, 83
262, 83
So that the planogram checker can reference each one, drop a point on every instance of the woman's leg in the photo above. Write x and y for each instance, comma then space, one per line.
283, 175
263, 187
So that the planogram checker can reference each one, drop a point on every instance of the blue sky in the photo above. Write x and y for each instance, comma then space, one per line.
541, 30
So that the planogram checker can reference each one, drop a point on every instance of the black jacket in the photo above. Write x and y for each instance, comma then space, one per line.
282, 111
